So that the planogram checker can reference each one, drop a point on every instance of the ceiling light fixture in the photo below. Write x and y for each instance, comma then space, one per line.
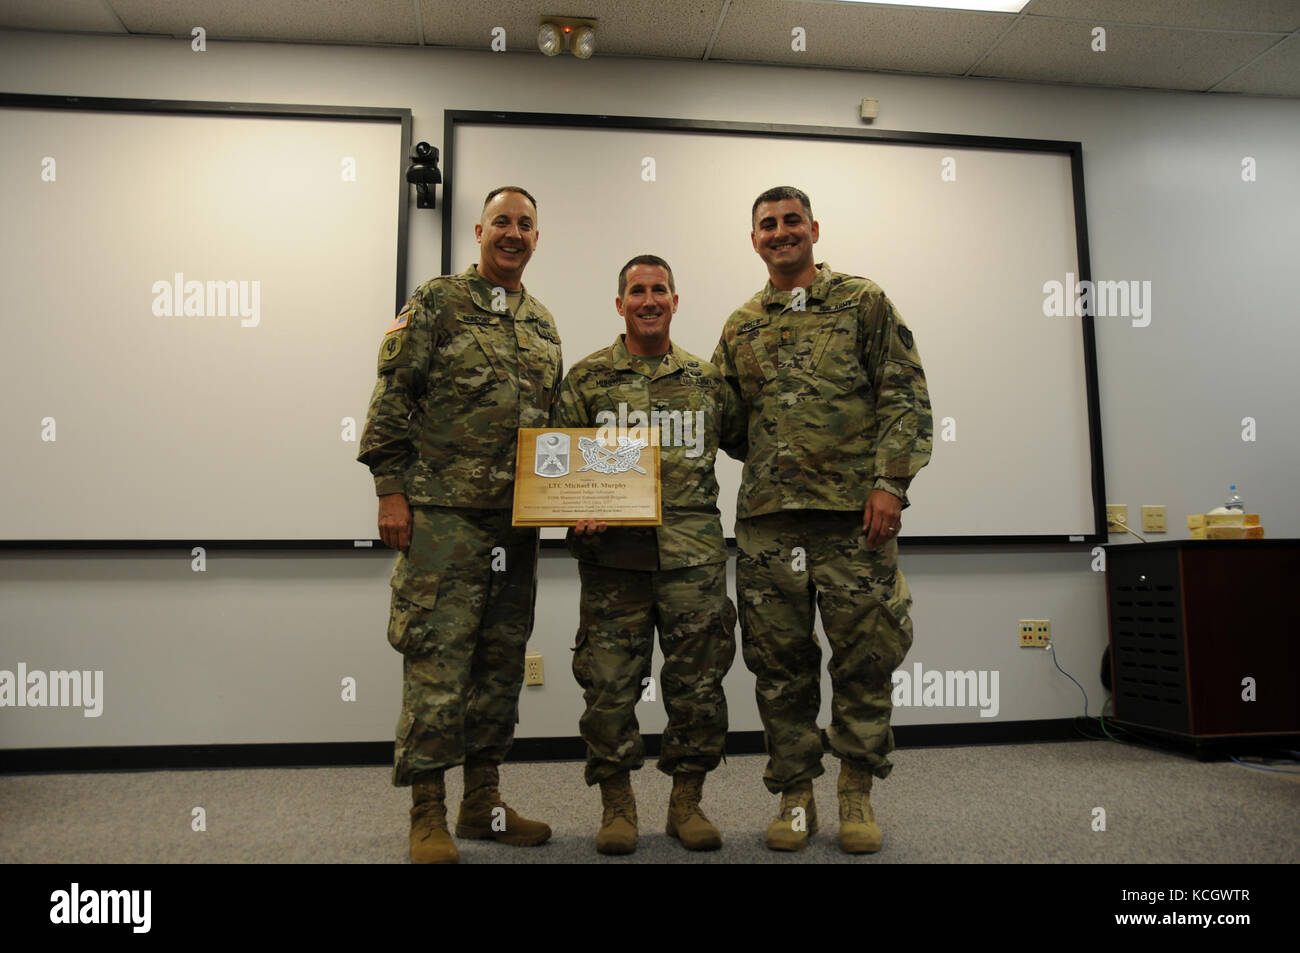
575, 34
549, 40
584, 42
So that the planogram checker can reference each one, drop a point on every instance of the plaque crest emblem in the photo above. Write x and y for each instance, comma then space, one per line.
552, 455
602, 460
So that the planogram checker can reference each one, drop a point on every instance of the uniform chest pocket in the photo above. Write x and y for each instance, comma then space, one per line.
756, 352
539, 352
684, 418
550, 356
836, 354
469, 359
689, 391
622, 395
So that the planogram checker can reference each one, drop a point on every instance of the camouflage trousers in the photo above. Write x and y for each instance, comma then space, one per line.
462, 611
620, 610
789, 562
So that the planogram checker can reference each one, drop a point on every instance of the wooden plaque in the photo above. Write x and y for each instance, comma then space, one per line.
564, 475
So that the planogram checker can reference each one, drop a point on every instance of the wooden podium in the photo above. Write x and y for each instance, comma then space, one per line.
1190, 621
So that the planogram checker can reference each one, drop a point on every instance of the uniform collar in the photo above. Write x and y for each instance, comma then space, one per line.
817, 291
481, 292
621, 358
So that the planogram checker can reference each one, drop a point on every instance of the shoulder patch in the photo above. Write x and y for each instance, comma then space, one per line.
399, 322
905, 335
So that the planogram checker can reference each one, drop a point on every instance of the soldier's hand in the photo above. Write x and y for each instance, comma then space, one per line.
395, 521
589, 527
881, 517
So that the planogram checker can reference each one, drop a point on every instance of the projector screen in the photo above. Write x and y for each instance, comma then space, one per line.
193, 300
963, 234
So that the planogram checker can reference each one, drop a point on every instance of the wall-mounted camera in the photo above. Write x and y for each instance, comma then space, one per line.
424, 175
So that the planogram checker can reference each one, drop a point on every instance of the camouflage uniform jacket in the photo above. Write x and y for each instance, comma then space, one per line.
686, 389
457, 378
836, 396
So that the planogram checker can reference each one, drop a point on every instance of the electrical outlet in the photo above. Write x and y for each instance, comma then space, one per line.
1153, 519
1116, 517
533, 670
1034, 633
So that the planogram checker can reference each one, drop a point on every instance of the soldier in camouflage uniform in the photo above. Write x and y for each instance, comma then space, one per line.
671, 577
471, 358
839, 423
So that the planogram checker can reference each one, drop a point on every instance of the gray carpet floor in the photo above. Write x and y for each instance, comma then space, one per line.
981, 804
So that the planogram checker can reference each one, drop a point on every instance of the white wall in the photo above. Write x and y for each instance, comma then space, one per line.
253, 650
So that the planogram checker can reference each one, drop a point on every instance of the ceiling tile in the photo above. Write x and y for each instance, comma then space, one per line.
855, 36
72, 16
320, 21
1061, 51
1279, 16
672, 28
1276, 73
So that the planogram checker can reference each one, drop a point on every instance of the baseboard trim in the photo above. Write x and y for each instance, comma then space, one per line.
338, 754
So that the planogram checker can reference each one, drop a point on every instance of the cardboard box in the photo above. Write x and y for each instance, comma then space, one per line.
1223, 519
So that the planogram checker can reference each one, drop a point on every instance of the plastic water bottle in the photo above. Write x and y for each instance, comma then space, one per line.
1234, 504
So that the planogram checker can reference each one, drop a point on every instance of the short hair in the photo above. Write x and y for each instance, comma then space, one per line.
778, 194
645, 260
510, 188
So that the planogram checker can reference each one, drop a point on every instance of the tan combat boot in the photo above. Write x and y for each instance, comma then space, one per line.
617, 833
484, 816
430, 842
792, 827
686, 821
859, 833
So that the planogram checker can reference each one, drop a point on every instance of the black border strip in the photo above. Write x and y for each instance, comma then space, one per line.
454, 117
356, 753
381, 114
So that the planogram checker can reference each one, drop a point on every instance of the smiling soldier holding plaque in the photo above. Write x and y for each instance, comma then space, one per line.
671, 577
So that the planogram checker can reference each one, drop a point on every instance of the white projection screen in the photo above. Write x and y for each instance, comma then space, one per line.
961, 232
135, 414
